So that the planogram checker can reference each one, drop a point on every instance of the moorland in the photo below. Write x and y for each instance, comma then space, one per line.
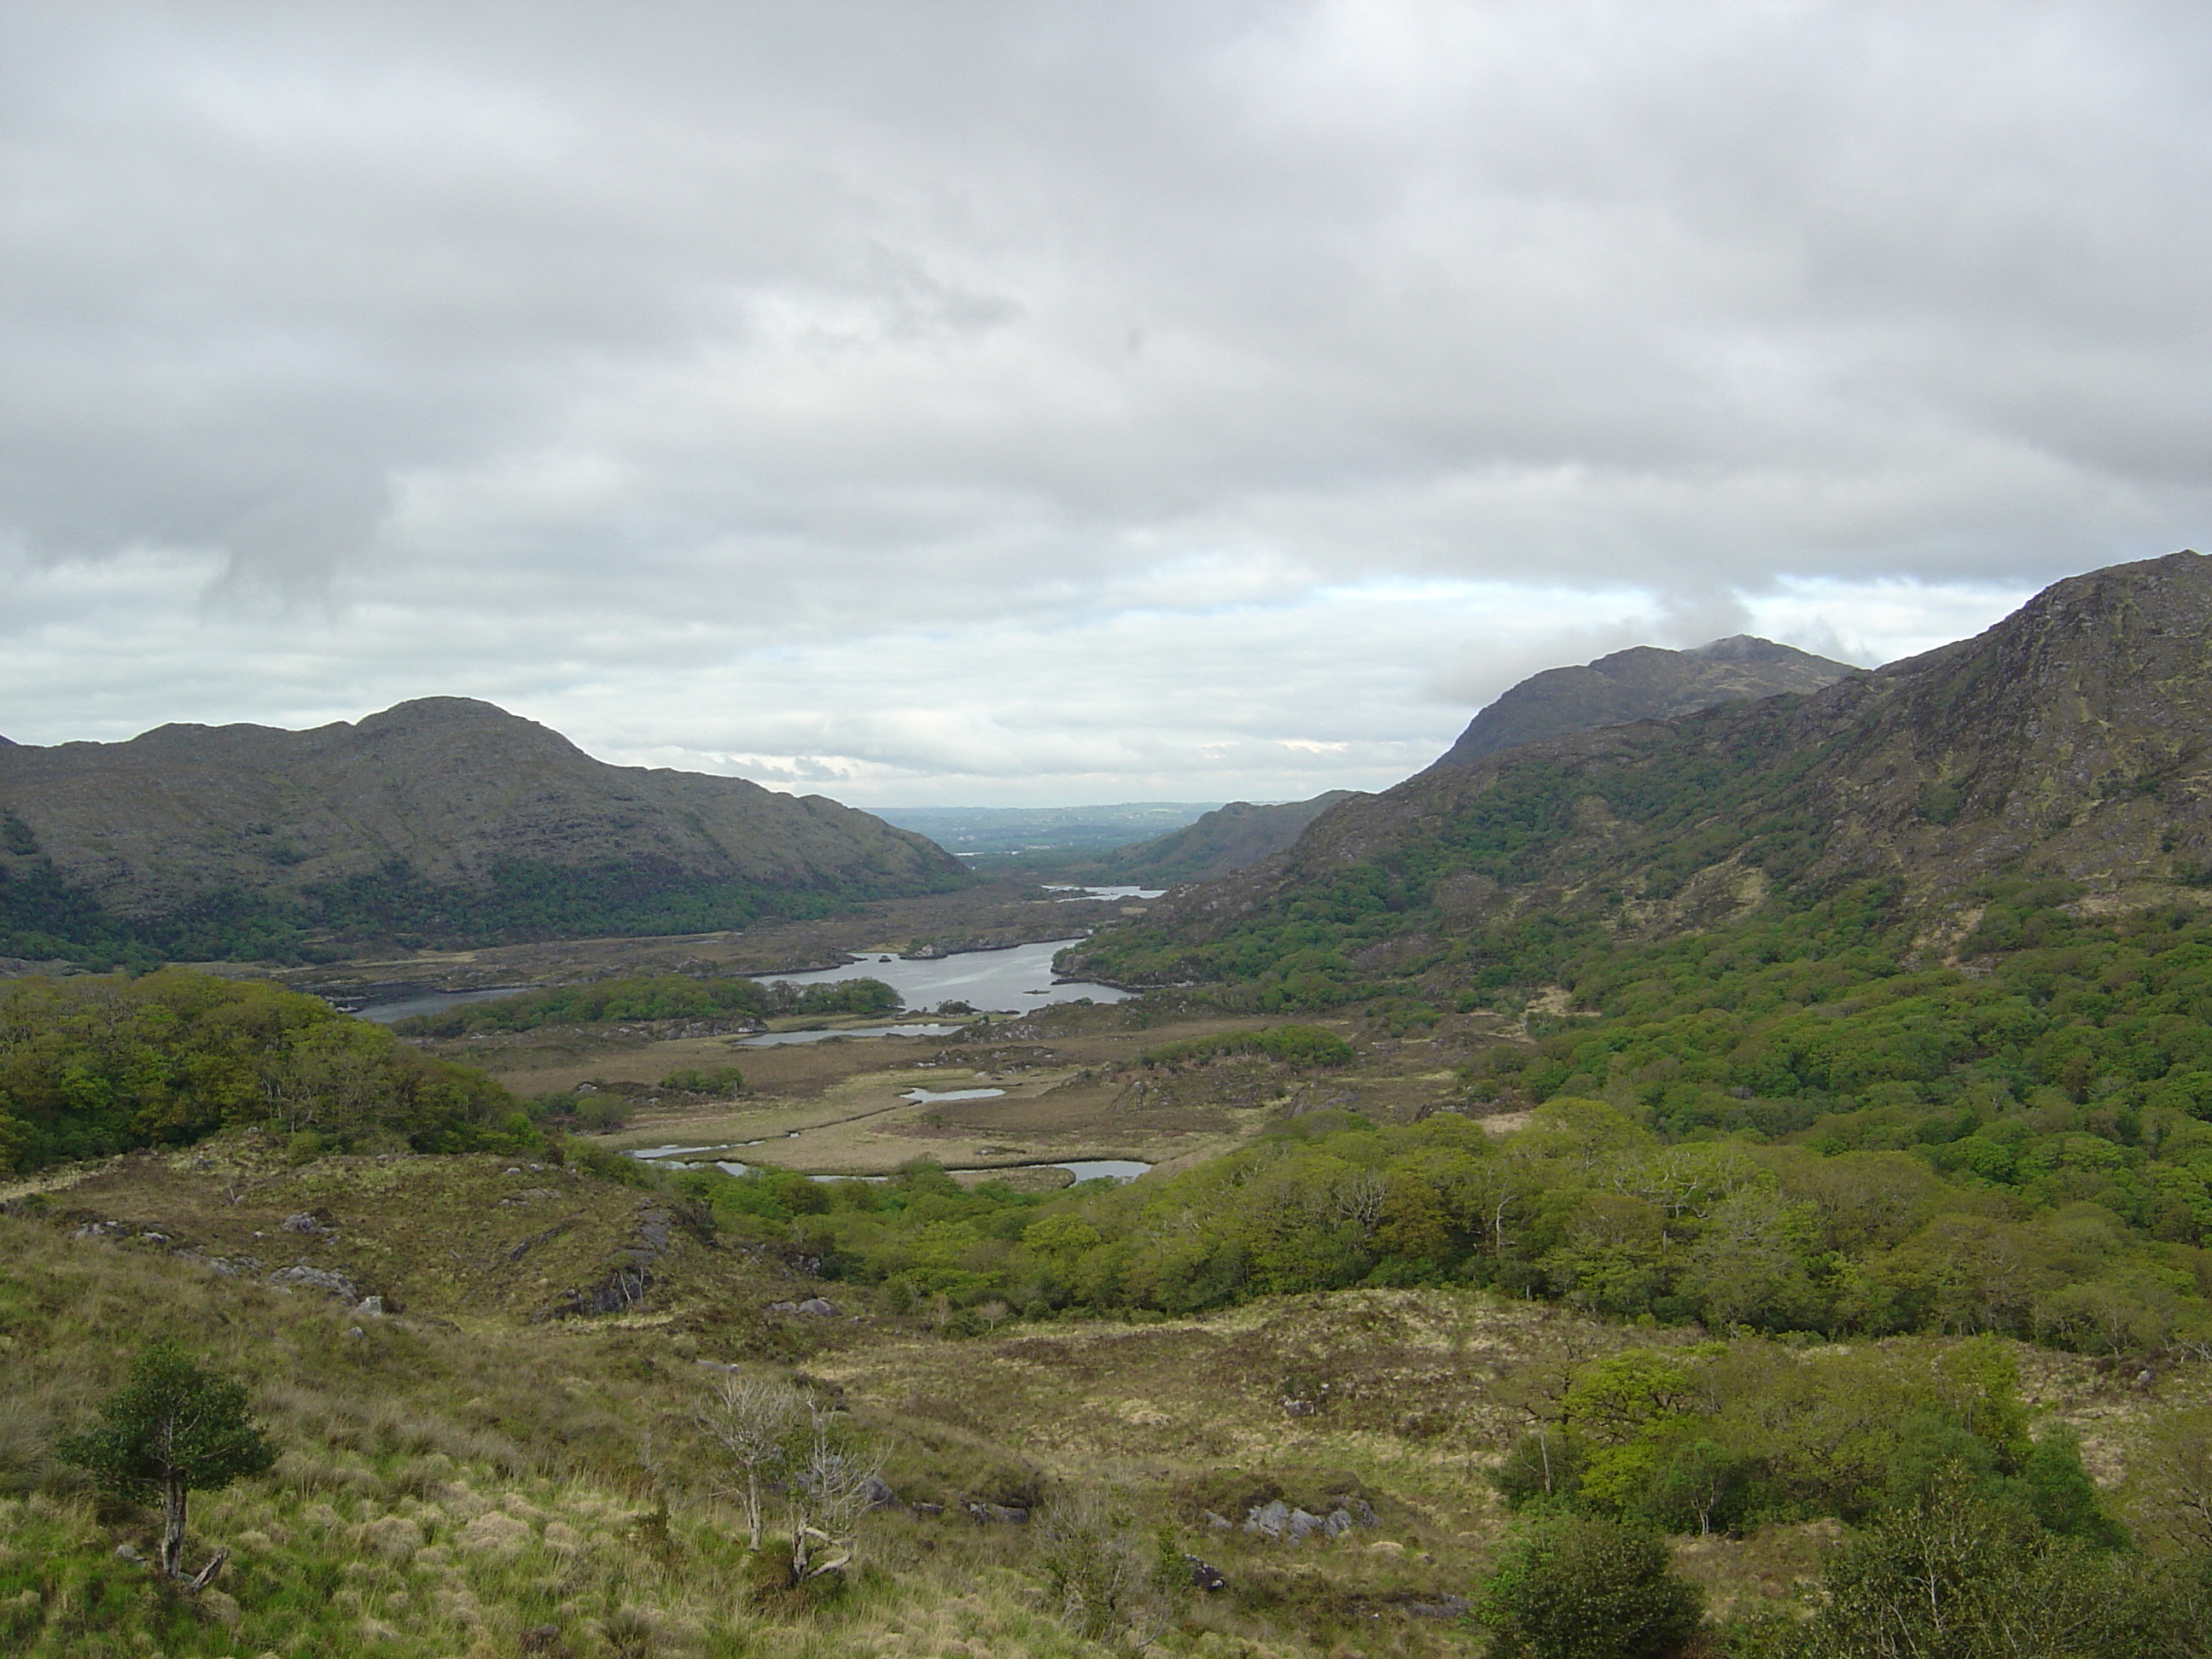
1737, 1183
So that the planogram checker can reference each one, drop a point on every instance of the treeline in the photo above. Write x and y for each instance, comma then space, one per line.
1585, 1206
44, 916
654, 996
94, 1065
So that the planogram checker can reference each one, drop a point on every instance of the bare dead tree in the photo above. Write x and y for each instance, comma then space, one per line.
753, 1419
835, 1486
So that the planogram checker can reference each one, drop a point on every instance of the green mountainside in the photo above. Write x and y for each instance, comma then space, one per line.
443, 818
2067, 742
1642, 683
1231, 837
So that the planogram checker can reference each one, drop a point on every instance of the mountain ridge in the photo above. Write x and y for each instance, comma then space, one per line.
2072, 740
1644, 682
444, 794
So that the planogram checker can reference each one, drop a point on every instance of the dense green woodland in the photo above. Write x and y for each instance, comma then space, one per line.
654, 996
94, 1065
44, 917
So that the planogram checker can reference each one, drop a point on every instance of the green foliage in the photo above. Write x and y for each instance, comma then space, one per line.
173, 1429
1301, 1046
1959, 1576
91, 1065
1105, 1573
718, 1081
654, 996
44, 916
1574, 1587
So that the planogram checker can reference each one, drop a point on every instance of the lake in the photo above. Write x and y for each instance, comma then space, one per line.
997, 982
434, 1002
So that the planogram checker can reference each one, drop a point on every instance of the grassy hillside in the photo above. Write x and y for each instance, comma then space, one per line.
477, 1480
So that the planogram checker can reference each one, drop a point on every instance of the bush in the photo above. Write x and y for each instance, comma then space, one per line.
1300, 1046
1573, 1587
718, 1081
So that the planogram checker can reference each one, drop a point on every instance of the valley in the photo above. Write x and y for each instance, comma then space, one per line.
1753, 1138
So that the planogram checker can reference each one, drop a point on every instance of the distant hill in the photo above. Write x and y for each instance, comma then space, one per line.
1229, 838
1642, 683
2069, 744
441, 819
1049, 833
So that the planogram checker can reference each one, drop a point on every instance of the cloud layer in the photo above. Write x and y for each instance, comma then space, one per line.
1037, 402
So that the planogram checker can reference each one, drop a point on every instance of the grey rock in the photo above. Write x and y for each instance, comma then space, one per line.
373, 1305
880, 1495
1269, 1520
819, 1306
1452, 1607
1004, 1514
1217, 1522
320, 1279
929, 1509
1205, 1577
128, 1552
303, 1223
1304, 1526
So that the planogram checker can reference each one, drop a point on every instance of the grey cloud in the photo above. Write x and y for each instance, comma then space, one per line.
546, 352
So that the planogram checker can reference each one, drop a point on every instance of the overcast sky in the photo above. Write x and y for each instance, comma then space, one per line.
935, 402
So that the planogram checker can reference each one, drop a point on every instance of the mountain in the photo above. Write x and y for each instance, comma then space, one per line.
1229, 838
2071, 744
445, 817
1642, 683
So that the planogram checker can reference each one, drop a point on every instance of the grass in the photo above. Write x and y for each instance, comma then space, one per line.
471, 1478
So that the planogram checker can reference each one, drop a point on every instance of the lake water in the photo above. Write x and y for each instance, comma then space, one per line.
1063, 892
1088, 1169
434, 1002
775, 1039
997, 982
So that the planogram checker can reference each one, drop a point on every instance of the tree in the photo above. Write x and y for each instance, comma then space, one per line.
173, 1428
753, 1419
837, 1484
1573, 1587
1959, 1576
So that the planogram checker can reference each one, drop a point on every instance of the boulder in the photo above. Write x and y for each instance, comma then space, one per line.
1270, 1520
320, 1279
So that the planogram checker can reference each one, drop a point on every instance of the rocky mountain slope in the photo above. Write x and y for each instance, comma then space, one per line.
1641, 684
443, 797
1231, 837
2072, 741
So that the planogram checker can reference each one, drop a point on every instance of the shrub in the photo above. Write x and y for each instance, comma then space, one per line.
718, 1081
1573, 1587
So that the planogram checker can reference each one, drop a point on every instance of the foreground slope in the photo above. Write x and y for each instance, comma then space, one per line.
445, 813
2073, 740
